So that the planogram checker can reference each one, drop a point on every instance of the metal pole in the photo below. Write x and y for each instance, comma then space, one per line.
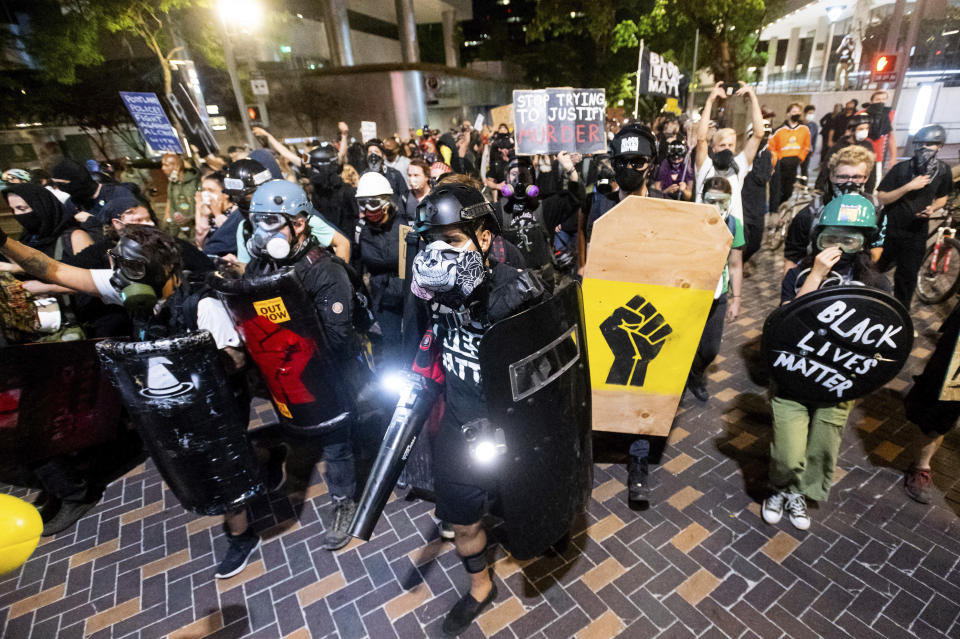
827, 50
237, 93
903, 63
693, 70
636, 99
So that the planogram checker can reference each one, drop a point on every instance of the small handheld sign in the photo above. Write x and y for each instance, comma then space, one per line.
836, 344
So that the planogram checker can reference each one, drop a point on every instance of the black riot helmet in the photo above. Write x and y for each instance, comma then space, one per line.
456, 204
243, 177
325, 154
930, 134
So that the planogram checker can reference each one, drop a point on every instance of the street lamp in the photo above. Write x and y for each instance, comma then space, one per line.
247, 15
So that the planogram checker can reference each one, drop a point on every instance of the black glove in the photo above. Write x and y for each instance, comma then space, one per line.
3, 238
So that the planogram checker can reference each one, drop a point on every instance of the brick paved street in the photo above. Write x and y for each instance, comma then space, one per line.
698, 563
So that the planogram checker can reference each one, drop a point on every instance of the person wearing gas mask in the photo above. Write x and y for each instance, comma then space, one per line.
378, 258
243, 179
715, 156
146, 279
333, 198
847, 172
501, 151
910, 192
675, 173
882, 134
468, 293
377, 161
633, 150
86, 195
790, 145
281, 215
806, 436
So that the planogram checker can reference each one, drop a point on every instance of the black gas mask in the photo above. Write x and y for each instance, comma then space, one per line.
139, 280
605, 179
325, 177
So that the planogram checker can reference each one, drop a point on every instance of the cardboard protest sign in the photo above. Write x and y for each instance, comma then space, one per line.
151, 120
647, 291
836, 344
554, 120
368, 130
501, 115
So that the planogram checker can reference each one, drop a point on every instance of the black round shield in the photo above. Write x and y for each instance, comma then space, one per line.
180, 401
284, 336
836, 344
537, 385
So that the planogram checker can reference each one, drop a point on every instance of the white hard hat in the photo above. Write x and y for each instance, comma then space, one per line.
373, 183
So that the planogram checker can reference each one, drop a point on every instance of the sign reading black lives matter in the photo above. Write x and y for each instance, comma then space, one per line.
554, 120
659, 76
836, 344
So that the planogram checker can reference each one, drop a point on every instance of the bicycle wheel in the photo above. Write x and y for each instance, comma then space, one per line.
937, 282
776, 230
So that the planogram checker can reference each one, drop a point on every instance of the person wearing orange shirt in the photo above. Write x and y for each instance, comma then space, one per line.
790, 144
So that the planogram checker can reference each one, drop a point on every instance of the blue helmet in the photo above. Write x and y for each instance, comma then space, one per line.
280, 196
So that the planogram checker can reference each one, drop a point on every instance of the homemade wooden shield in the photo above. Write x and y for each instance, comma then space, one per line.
649, 280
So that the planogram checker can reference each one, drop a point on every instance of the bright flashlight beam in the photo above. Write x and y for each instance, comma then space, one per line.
394, 382
485, 452
246, 14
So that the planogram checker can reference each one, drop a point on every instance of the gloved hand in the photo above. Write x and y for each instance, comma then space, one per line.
3, 237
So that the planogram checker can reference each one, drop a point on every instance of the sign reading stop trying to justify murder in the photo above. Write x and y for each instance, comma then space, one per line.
554, 120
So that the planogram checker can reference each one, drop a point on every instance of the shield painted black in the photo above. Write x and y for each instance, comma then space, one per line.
836, 344
537, 384
284, 336
179, 399
54, 399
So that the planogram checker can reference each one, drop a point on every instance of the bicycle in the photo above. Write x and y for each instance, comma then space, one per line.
775, 229
939, 276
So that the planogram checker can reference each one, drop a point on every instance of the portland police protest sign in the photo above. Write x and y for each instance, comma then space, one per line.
152, 121
554, 120
836, 344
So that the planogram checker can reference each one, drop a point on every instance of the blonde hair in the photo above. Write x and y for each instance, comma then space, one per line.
350, 175
724, 133
851, 156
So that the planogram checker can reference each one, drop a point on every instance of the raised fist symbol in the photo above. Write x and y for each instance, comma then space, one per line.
635, 333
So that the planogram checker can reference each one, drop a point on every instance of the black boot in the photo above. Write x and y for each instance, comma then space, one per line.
638, 480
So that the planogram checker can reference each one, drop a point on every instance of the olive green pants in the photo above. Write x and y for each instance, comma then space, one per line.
805, 444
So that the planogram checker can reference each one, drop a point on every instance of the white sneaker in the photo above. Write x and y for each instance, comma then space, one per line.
773, 507
797, 511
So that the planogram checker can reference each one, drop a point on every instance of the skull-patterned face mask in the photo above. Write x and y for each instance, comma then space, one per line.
447, 274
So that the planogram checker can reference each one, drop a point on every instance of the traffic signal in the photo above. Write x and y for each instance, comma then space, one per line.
884, 68
253, 113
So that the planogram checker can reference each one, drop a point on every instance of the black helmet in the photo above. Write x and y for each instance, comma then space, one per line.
455, 204
931, 134
633, 140
324, 154
243, 177
857, 120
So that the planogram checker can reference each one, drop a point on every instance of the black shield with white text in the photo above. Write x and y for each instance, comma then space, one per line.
836, 344
537, 384
180, 401
284, 336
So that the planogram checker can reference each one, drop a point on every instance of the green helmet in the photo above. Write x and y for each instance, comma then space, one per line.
849, 210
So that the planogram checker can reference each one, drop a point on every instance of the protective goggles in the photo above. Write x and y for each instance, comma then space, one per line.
373, 203
846, 178
269, 221
719, 200
846, 241
135, 270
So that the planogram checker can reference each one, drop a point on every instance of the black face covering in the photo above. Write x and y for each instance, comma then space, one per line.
722, 160
845, 188
79, 185
629, 179
46, 222
325, 177
375, 162
795, 118
924, 161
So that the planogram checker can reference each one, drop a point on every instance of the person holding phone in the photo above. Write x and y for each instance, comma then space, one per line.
910, 192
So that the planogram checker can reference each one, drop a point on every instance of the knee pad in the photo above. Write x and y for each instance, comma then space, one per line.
475, 563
